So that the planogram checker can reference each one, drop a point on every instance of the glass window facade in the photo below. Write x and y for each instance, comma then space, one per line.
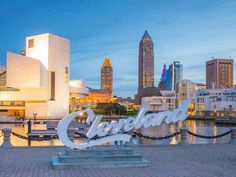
173, 75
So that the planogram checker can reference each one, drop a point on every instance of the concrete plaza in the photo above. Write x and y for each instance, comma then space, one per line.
165, 161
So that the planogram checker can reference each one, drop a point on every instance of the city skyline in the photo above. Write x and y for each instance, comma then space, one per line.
185, 31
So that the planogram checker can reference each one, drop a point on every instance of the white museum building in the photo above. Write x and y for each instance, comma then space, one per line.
37, 82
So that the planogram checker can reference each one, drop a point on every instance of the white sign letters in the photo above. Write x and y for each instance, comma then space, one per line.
115, 129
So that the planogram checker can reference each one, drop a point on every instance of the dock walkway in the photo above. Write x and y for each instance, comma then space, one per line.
165, 161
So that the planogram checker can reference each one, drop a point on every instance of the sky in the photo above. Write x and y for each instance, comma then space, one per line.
191, 32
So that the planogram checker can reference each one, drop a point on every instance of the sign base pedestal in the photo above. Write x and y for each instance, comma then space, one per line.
98, 157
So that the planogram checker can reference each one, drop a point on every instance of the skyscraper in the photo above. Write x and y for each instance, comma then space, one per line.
163, 75
162, 83
219, 73
146, 62
174, 74
106, 75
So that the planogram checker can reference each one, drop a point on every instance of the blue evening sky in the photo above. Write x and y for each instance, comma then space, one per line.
191, 31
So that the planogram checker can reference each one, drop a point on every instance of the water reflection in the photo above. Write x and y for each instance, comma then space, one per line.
200, 127
196, 126
22, 129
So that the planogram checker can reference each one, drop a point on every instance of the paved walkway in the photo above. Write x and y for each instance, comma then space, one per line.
166, 161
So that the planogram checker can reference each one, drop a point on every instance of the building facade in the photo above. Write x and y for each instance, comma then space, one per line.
146, 62
40, 82
173, 75
219, 73
200, 86
166, 100
94, 96
107, 76
216, 102
185, 90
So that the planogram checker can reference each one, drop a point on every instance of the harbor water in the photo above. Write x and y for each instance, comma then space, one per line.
201, 127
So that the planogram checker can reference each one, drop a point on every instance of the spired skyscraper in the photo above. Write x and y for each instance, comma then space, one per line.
162, 83
106, 76
146, 62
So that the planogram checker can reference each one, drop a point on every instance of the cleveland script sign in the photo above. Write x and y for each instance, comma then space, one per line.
116, 128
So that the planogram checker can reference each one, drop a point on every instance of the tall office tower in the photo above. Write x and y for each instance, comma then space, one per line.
162, 83
106, 75
174, 74
146, 62
219, 73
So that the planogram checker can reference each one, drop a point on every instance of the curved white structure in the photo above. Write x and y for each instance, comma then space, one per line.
78, 88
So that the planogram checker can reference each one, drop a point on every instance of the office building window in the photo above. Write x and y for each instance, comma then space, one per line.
66, 70
52, 85
30, 43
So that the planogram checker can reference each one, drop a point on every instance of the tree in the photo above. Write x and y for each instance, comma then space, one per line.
110, 109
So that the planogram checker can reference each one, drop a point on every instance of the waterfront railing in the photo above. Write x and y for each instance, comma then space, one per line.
184, 132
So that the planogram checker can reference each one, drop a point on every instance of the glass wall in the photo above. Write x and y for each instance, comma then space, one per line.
185, 90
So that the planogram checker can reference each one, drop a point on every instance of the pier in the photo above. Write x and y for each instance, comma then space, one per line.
165, 161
